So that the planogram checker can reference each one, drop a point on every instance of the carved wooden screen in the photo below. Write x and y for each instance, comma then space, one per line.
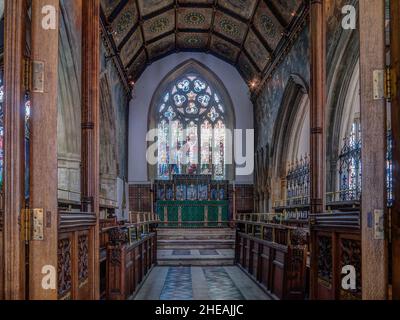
75, 254
336, 242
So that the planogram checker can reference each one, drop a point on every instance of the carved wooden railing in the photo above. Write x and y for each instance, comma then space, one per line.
131, 254
336, 242
275, 256
75, 251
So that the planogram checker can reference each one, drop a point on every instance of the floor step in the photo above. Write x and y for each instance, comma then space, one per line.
198, 237
196, 234
193, 257
196, 244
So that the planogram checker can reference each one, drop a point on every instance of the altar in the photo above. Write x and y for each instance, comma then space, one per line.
192, 201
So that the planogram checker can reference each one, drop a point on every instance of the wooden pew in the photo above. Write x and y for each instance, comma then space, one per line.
275, 256
130, 257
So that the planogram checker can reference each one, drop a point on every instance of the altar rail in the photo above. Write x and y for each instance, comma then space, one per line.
275, 256
193, 214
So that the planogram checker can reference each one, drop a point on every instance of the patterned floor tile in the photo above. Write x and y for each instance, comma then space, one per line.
178, 284
220, 284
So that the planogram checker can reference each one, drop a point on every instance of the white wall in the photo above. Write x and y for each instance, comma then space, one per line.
147, 85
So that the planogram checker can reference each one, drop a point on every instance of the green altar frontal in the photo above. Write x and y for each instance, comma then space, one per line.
193, 214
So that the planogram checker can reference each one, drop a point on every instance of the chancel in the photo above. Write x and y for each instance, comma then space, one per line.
125, 127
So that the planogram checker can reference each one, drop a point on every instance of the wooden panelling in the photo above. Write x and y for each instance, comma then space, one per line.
244, 198
279, 269
43, 143
128, 265
336, 243
140, 197
12, 279
395, 113
373, 151
74, 249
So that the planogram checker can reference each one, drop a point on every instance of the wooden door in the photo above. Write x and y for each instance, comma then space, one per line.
12, 254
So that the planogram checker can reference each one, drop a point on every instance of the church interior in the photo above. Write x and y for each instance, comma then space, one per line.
199, 150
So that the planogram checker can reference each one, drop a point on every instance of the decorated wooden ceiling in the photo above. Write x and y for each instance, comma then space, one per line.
245, 33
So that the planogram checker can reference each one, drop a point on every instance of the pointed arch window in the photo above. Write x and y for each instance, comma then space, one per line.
191, 124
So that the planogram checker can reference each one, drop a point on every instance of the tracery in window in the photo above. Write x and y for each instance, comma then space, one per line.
350, 165
191, 129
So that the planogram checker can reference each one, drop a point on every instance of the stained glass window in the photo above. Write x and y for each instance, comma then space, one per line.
191, 129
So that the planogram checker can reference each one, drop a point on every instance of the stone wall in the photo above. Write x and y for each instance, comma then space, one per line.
113, 119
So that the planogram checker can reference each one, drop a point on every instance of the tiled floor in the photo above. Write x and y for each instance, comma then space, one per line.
219, 253
199, 283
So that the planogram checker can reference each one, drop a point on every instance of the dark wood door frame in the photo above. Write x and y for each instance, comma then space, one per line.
395, 77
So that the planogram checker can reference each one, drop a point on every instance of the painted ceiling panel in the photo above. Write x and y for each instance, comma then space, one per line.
194, 40
190, 18
196, 1
131, 47
230, 27
150, 6
159, 25
109, 6
287, 9
243, 8
144, 30
224, 48
125, 21
247, 69
255, 48
161, 47
140, 63
268, 25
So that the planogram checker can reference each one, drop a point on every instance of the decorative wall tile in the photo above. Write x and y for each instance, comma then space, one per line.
229, 27
159, 25
131, 47
243, 8
267, 25
195, 40
191, 18
257, 50
224, 48
125, 21
149, 6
